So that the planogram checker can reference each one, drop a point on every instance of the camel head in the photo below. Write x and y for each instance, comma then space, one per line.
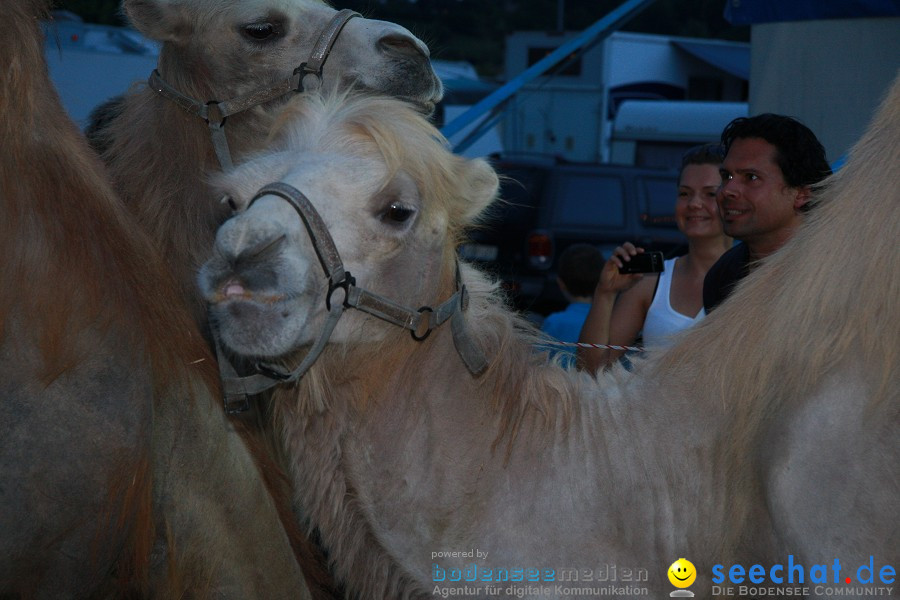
394, 201
220, 49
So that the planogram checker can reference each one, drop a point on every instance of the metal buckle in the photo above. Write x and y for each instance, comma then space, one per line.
236, 407
412, 332
343, 284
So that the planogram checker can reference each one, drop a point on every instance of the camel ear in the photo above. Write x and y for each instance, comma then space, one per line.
160, 20
481, 187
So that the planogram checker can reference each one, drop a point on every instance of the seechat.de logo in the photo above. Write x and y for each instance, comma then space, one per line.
831, 578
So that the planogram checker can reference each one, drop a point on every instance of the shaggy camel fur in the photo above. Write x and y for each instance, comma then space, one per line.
119, 474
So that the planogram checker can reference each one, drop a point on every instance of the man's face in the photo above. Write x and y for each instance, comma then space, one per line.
756, 204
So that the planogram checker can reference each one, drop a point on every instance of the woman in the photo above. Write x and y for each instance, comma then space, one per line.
660, 305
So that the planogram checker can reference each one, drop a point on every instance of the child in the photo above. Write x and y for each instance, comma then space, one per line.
579, 271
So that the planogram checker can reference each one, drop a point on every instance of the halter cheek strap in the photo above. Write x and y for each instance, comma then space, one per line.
306, 77
238, 389
313, 68
420, 322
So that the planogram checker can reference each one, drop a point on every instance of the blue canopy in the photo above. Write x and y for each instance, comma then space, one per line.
747, 12
734, 59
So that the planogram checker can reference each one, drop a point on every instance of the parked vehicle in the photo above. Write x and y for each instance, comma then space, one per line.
547, 205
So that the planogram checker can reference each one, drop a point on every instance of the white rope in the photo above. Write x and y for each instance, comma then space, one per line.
595, 346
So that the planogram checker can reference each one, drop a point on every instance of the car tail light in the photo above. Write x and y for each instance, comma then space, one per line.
511, 287
540, 250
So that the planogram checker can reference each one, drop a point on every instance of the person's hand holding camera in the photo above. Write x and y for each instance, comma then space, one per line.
612, 280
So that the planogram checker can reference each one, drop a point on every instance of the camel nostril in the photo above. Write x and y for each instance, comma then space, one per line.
405, 45
236, 252
265, 248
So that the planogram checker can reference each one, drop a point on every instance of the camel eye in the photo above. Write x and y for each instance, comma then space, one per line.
398, 213
260, 32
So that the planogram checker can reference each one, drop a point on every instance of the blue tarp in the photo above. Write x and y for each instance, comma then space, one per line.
747, 12
731, 58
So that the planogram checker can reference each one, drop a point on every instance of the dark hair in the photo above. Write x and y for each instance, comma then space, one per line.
798, 153
579, 268
707, 154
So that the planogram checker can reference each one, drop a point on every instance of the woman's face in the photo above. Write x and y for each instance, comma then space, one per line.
696, 212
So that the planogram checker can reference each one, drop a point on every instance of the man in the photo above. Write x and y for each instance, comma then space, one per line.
771, 165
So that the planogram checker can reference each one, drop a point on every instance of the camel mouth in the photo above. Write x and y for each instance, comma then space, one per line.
422, 102
425, 107
234, 288
234, 291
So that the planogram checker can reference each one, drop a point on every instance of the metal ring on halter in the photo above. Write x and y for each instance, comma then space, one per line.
301, 73
214, 113
298, 75
414, 334
345, 284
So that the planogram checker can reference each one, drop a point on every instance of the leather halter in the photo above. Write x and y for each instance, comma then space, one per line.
420, 322
306, 77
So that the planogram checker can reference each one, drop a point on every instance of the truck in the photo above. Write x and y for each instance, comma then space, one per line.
548, 203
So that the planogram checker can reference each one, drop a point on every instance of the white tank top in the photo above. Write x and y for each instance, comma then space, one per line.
662, 320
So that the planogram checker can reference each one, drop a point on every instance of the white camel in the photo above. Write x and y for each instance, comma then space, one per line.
767, 435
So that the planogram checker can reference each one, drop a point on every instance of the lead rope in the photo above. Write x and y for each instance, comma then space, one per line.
306, 77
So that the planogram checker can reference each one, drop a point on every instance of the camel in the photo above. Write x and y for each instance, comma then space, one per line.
159, 151
766, 436
119, 473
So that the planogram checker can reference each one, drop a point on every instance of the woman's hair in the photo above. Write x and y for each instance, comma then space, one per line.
706, 154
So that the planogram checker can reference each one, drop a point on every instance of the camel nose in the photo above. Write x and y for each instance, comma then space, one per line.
403, 44
239, 245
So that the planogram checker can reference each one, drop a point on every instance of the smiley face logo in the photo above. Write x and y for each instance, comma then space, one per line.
682, 573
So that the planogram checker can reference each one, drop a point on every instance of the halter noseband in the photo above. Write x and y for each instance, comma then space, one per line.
420, 322
306, 77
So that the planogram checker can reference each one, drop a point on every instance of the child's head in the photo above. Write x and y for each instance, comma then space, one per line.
579, 269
